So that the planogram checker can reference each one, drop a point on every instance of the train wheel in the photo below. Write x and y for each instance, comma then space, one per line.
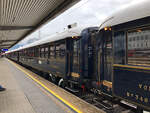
53, 78
50, 77
61, 83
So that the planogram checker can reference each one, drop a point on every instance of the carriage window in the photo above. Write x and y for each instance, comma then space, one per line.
76, 51
146, 37
52, 51
36, 52
139, 55
31, 52
25, 52
28, 52
42, 52
119, 47
62, 49
57, 50
141, 37
46, 52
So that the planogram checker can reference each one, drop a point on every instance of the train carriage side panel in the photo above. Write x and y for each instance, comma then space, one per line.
49, 58
57, 58
131, 69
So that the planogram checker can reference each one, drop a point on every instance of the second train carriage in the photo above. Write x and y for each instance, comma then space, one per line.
67, 57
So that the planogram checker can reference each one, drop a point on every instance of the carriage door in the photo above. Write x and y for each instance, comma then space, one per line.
69, 53
76, 58
107, 60
72, 58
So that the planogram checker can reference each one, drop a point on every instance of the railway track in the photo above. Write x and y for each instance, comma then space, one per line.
108, 105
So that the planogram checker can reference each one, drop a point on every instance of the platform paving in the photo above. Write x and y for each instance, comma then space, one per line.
22, 95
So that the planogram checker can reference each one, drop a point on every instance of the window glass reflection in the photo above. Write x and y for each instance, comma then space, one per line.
139, 50
119, 47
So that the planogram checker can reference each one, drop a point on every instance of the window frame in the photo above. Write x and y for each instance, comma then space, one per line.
144, 37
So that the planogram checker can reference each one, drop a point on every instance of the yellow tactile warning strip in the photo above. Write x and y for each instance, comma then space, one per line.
52, 92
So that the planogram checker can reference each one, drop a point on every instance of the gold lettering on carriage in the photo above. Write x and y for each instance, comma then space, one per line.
137, 97
144, 87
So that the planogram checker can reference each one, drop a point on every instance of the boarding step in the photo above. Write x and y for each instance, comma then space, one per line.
72, 90
74, 82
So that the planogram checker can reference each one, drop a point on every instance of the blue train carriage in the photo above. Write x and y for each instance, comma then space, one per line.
126, 54
66, 56
50, 55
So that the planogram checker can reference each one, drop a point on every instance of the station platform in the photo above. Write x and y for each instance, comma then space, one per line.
27, 92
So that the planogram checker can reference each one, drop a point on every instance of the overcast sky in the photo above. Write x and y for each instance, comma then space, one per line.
86, 12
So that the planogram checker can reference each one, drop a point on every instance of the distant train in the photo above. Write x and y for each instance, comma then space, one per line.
113, 59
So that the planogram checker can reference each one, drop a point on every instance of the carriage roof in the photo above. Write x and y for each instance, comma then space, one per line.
55, 37
133, 12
